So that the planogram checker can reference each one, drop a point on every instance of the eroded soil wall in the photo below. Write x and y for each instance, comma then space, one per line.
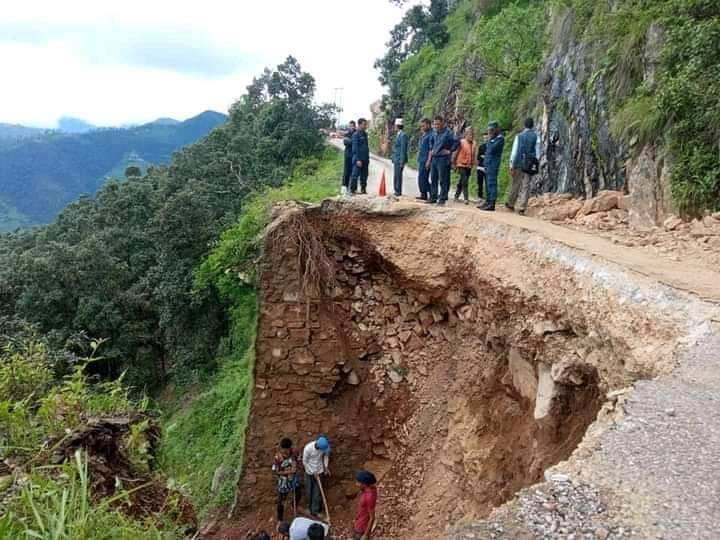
456, 369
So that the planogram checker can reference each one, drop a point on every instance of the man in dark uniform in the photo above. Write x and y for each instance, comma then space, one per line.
426, 144
347, 141
481, 166
399, 156
444, 144
493, 156
360, 157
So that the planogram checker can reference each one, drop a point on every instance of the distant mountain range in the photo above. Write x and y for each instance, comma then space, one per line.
13, 132
41, 171
68, 124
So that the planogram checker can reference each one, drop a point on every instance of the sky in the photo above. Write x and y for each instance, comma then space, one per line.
113, 63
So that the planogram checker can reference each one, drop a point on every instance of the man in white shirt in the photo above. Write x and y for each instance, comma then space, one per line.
316, 461
525, 148
304, 529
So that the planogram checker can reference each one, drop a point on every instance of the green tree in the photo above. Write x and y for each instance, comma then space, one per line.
132, 170
120, 266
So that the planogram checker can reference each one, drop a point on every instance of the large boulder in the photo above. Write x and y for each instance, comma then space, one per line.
603, 202
547, 391
523, 375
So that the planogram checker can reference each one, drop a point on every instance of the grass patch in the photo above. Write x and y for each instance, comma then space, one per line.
61, 509
205, 435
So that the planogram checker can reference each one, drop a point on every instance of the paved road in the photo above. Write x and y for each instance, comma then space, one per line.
682, 275
378, 165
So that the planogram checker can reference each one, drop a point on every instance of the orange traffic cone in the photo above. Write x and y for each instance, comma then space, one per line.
383, 190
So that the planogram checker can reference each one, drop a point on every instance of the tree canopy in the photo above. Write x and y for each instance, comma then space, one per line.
120, 266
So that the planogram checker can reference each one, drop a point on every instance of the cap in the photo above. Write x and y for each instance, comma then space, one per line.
398, 121
493, 125
323, 445
366, 477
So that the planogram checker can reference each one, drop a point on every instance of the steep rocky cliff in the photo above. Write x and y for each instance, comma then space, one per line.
575, 106
618, 90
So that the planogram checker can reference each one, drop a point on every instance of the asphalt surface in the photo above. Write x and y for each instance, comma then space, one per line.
664, 457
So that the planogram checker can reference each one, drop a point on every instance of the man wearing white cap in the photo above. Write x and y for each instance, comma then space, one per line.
399, 156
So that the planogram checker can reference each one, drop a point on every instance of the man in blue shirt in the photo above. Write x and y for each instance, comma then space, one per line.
526, 149
444, 144
493, 156
426, 144
361, 157
399, 156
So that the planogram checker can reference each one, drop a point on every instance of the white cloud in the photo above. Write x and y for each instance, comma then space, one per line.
111, 63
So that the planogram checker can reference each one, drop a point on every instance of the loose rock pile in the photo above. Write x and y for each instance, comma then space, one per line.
559, 509
607, 215
605, 211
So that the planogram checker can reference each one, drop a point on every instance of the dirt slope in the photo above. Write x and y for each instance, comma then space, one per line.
458, 355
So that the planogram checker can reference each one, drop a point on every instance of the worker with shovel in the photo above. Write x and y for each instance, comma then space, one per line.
316, 460
285, 466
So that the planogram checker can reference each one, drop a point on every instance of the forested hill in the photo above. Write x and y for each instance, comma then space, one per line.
120, 265
40, 175
621, 89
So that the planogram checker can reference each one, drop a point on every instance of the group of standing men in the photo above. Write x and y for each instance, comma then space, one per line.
314, 461
439, 151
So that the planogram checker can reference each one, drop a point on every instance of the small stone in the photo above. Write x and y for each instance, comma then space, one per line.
601, 533
670, 412
672, 223
395, 377
422, 370
455, 299
353, 378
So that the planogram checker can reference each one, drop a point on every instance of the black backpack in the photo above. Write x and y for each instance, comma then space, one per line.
530, 165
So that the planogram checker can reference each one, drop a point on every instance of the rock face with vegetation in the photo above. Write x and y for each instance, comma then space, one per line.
617, 88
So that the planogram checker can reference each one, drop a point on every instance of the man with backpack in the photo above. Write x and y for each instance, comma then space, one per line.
524, 164
286, 468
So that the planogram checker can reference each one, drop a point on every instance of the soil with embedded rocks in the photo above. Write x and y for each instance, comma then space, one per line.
457, 391
608, 215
